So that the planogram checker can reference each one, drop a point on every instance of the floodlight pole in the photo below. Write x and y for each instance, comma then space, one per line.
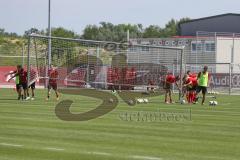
23, 50
128, 43
49, 34
128, 37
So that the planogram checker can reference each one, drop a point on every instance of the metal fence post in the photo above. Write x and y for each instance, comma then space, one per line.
173, 72
181, 73
230, 78
23, 50
28, 60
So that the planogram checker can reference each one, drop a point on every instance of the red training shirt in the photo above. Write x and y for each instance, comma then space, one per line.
53, 75
171, 79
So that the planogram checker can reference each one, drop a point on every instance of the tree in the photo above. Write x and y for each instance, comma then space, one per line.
2, 31
62, 32
153, 31
90, 32
170, 29
31, 31
7, 34
110, 32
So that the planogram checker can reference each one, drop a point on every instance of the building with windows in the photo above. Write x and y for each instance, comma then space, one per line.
209, 40
210, 49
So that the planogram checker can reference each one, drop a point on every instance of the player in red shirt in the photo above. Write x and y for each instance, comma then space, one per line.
169, 81
33, 77
22, 74
18, 86
23, 82
115, 79
191, 83
130, 78
185, 89
150, 85
52, 83
190, 74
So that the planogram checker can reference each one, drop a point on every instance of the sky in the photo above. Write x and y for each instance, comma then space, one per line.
21, 15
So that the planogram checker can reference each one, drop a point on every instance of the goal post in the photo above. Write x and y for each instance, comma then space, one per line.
102, 64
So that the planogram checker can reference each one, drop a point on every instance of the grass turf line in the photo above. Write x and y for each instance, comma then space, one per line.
213, 133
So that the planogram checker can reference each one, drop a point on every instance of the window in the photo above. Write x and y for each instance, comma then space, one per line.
196, 46
209, 46
146, 49
132, 49
196, 69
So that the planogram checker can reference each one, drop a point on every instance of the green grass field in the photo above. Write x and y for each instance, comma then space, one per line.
30, 130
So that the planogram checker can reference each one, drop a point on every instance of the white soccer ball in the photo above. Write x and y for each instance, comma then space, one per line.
215, 103
111, 100
140, 100
182, 101
145, 100
114, 91
88, 86
130, 102
210, 103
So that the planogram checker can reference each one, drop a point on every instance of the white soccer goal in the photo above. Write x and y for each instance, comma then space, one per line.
102, 65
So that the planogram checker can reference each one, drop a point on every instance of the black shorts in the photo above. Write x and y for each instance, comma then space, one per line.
23, 85
52, 86
32, 86
194, 88
202, 88
168, 86
18, 86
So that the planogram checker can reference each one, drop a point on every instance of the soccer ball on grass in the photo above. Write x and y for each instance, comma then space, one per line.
213, 103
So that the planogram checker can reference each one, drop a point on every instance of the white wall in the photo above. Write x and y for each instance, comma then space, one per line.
236, 56
224, 50
224, 53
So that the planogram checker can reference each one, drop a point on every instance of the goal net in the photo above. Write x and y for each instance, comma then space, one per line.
102, 65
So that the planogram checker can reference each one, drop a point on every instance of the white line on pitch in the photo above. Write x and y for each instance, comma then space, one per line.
145, 157
11, 145
54, 149
100, 153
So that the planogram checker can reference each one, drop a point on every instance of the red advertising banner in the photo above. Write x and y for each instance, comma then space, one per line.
3, 79
77, 77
